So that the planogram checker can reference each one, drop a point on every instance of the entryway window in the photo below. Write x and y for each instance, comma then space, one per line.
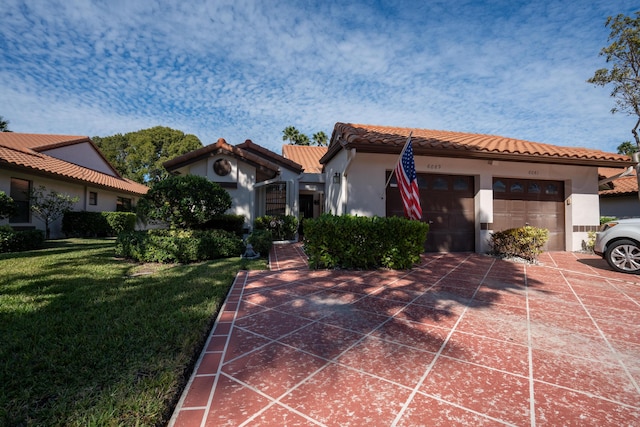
19, 192
276, 199
123, 204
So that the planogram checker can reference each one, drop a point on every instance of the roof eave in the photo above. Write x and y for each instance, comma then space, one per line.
483, 155
61, 177
214, 150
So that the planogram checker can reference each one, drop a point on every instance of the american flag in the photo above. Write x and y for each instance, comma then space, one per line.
408, 184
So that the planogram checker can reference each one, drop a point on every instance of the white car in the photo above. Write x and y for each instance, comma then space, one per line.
618, 242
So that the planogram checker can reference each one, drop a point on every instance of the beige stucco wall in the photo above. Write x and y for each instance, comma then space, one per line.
107, 199
248, 197
361, 191
81, 154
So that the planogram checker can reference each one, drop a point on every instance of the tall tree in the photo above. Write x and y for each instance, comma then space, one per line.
627, 148
624, 75
291, 134
320, 138
4, 125
139, 155
295, 137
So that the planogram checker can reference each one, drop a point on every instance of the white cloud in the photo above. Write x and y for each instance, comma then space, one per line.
247, 69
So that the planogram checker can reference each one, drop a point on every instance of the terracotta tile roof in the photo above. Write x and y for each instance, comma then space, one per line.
24, 151
384, 139
222, 147
625, 186
306, 155
288, 163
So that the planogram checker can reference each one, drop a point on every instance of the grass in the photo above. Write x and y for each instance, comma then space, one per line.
85, 339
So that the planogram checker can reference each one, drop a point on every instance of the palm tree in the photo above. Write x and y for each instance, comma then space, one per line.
302, 139
320, 138
4, 125
290, 134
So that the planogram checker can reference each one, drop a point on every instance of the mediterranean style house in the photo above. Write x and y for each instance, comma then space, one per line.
470, 184
259, 181
67, 164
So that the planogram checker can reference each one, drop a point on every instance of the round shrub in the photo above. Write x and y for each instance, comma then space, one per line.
184, 201
182, 246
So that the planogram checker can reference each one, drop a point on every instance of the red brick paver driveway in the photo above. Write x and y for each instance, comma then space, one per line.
462, 339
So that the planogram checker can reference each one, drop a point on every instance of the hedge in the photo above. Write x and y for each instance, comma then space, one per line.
363, 242
227, 222
524, 242
181, 246
92, 224
18, 241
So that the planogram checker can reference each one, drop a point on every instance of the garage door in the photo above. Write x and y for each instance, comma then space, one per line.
447, 205
539, 203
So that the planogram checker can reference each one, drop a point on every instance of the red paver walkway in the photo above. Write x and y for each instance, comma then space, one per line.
462, 339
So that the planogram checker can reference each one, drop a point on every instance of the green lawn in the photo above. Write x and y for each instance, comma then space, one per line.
86, 340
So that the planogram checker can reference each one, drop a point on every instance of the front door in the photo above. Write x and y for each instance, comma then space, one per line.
306, 209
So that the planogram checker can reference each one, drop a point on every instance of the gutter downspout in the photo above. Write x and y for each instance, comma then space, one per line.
627, 172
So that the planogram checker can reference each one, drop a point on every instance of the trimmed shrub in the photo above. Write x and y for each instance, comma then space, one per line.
120, 221
363, 242
184, 201
182, 246
18, 241
227, 222
524, 242
92, 224
261, 240
282, 227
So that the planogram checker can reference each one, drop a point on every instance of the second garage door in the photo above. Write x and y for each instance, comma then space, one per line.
539, 203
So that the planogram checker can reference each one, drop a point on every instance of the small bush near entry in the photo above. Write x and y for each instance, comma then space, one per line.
97, 224
524, 242
18, 241
363, 242
181, 246
282, 227
261, 240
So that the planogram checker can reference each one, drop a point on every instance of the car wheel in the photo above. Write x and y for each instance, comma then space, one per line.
624, 256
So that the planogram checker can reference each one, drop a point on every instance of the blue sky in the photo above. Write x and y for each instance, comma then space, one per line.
243, 69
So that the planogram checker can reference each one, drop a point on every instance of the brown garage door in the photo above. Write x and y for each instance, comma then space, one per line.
447, 205
539, 203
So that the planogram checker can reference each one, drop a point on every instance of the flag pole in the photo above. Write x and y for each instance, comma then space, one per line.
406, 144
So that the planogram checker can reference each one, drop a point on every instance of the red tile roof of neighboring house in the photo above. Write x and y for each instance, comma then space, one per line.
625, 186
385, 139
306, 155
25, 152
222, 147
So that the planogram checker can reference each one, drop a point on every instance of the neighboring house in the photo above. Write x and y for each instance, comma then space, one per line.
259, 181
67, 164
470, 184
619, 194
